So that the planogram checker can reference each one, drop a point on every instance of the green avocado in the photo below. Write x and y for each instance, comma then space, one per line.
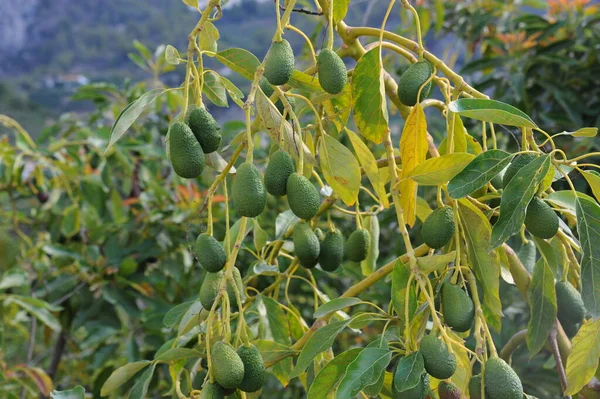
501, 381
210, 253
248, 192
185, 152
254, 368
439, 362
303, 197
540, 219
417, 392
570, 304
475, 387
449, 390
516, 164
205, 128
411, 81
280, 168
306, 245
357, 246
332, 251
227, 367
457, 307
279, 63
438, 228
332, 71
212, 390
210, 288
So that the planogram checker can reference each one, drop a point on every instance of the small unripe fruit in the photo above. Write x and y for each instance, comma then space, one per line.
280, 168
279, 63
540, 219
210, 253
570, 304
303, 196
501, 381
439, 362
411, 81
438, 228
357, 246
205, 128
332, 251
227, 367
306, 245
248, 192
185, 152
254, 369
457, 307
332, 71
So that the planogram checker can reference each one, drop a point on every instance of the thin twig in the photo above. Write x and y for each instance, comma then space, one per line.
552, 338
302, 11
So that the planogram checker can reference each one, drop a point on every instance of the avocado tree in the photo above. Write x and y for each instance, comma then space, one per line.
296, 199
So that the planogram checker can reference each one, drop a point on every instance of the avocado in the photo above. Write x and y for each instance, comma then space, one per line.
279, 63
320, 235
411, 81
332, 251
210, 253
227, 367
280, 167
475, 387
237, 278
357, 246
212, 390
449, 390
205, 128
210, 288
540, 219
332, 72
570, 304
501, 381
417, 392
248, 192
306, 245
254, 368
438, 228
516, 164
266, 87
303, 197
185, 152
457, 307
439, 362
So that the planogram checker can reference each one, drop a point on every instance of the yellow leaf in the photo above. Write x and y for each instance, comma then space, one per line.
440, 170
583, 359
423, 209
369, 163
340, 168
594, 182
413, 149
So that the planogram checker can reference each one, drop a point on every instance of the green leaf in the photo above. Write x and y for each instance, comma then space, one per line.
484, 262
340, 169
172, 55
76, 393
567, 199
144, 51
583, 359
408, 372
478, 173
433, 263
400, 276
176, 354
239, 60
234, 92
588, 227
37, 308
548, 253
301, 80
174, 315
284, 221
491, 111
140, 389
583, 132
369, 164
71, 221
207, 40
340, 8
335, 305
214, 89
542, 306
234, 231
273, 351
364, 370
439, 170
191, 3
515, 198
371, 224
594, 181
121, 375
130, 113
368, 97
274, 325
320, 341
331, 374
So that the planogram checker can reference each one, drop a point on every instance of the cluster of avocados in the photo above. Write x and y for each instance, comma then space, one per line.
243, 369
279, 67
190, 140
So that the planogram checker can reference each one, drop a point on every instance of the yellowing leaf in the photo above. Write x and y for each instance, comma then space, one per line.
340, 168
423, 209
594, 182
440, 170
413, 149
369, 163
368, 97
583, 359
